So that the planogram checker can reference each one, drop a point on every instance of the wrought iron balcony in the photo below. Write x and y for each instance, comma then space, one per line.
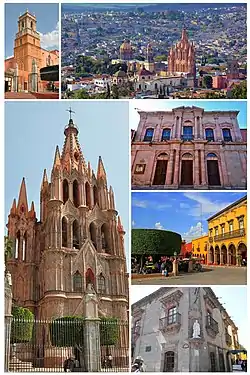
147, 139
232, 234
227, 139
212, 326
210, 239
210, 139
228, 339
170, 323
187, 137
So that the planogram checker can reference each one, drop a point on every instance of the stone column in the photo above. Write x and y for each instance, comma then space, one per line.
201, 129
203, 168
196, 168
243, 160
8, 318
176, 127
170, 168
223, 170
92, 348
195, 128
15, 79
34, 77
177, 168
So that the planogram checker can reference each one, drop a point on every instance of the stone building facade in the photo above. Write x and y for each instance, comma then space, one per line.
189, 147
78, 240
181, 58
183, 330
27, 51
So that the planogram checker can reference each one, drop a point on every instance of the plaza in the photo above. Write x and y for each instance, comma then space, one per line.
210, 276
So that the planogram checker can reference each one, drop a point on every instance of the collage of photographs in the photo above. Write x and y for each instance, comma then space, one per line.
125, 217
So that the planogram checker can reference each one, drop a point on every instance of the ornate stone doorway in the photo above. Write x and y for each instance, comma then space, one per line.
242, 250
169, 360
187, 172
213, 173
160, 172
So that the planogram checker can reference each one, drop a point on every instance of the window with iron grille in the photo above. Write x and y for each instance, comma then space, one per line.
212, 362
169, 362
149, 135
227, 135
172, 315
166, 135
209, 134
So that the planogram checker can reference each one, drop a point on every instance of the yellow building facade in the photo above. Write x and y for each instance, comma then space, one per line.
199, 247
227, 235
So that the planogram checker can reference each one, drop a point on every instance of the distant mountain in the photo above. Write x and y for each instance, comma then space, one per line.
147, 7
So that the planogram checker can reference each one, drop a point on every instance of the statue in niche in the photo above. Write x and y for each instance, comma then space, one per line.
196, 330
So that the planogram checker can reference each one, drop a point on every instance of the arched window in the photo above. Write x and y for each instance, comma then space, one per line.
105, 237
92, 230
77, 282
24, 247
166, 135
76, 199
64, 232
101, 284
90, 277
76, 235
187, 133
211, 155
18, 238
149, 135
65, 191
227, 135
209, 135
95, 191
88, 196
169, 362
187, 155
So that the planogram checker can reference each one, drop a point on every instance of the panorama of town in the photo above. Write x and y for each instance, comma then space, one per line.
170, 51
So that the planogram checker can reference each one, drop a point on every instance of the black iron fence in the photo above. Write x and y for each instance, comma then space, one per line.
73, 342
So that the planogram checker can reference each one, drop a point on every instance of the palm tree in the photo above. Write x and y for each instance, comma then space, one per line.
8, 248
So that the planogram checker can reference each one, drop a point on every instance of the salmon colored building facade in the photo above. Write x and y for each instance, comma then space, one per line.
188, 147
28, 58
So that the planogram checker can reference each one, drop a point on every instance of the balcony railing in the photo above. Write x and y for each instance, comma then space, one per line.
147, 139
210, 139
233, 234
187, 137
170, 320
212, 324
227, 139
210, 239
228, 339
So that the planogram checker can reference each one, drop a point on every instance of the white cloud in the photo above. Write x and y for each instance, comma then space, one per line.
162, 207
194, 232
204, 207
141, 204
50, 39
184, 205
159, 226
133, 223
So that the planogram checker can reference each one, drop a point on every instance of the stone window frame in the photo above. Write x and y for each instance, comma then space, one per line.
172, 317
140, 165
145, 134
231, 222
101, 282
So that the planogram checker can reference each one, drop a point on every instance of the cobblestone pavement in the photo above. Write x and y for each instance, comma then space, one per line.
210, 276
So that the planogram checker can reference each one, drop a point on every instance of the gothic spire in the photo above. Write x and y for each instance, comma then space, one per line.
32, 212
45, 179
120, 226
57, 159
101, 173
22, 200
13, 208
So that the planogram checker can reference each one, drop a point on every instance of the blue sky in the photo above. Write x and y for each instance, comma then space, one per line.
47, 16
33, 129
168, 105
233, 298
184, 213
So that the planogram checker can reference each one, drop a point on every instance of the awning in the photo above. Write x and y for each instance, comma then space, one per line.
237, 351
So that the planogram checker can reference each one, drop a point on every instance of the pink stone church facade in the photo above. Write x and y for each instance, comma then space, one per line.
78, 240
189, 148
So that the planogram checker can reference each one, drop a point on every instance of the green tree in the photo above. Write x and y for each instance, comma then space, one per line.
207, 82
67, 331
161, 58
109, 332
22, 325
240, 91
81, 94
8, 248
115, 92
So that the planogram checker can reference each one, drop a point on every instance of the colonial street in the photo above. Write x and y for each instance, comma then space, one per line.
209, 276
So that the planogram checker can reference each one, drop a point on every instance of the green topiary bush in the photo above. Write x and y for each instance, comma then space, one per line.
155, 242
22, 325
